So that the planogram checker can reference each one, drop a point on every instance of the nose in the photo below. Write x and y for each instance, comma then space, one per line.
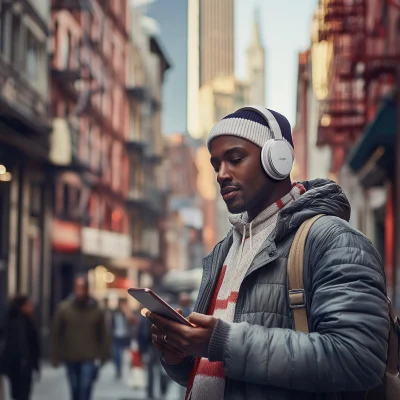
223, 173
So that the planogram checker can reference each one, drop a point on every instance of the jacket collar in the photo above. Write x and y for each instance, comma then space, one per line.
322, 196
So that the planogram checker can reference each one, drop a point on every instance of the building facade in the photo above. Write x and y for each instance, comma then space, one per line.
210, 51
358, 117
90, 108
256, 65
184, 242
175, 39
25, 184
312, 159
147, 199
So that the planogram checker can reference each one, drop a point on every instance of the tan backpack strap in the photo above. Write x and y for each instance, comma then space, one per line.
393, 353
297, 296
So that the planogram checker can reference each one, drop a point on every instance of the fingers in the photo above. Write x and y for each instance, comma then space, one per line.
163, 346
158, 340
167, 325
202, 320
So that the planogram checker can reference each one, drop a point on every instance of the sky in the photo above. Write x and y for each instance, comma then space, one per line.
285, 29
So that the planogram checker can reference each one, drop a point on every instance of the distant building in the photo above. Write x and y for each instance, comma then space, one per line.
312, 159
172, 20
256, 65
184, 241
210, 50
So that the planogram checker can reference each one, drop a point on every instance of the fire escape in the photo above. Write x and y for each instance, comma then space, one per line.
76, 77
361, 58
79, 81
342, 113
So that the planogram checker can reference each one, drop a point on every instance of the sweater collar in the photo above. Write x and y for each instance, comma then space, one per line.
246, 228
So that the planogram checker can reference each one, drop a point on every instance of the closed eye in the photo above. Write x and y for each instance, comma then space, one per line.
236, 161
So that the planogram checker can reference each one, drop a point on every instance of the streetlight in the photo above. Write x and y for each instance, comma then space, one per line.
3, 169
5, 177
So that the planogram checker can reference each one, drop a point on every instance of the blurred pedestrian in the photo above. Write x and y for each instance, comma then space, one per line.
121, 321
21, 354
151, 359
80, 339
185, 302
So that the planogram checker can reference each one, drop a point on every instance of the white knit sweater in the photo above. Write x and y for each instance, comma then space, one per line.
248, 237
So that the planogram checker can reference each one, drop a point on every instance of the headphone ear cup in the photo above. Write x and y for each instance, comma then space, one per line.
277, 159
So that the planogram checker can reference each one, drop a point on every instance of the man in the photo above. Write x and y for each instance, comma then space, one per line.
243, 345
121, 321
80, 339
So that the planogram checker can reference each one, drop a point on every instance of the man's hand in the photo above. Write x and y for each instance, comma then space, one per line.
171, 354
191, 341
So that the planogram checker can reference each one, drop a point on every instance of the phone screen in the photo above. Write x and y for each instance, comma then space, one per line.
148, 299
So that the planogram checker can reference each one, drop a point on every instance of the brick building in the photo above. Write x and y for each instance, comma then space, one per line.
90, 108
25, 180
358, 116
184, 241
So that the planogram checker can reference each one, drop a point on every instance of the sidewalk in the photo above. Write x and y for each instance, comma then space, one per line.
53, 385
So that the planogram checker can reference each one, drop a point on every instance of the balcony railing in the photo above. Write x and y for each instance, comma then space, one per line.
71, 5
135, 145
25, 105
138, 93
150, 200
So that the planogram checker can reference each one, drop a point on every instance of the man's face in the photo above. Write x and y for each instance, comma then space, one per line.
237, 162
81, 290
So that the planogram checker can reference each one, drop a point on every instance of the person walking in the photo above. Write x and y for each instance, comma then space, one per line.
244, 344
80, 339
21, 355
122, 320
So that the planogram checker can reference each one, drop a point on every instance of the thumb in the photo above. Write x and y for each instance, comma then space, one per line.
179, 311
200, 319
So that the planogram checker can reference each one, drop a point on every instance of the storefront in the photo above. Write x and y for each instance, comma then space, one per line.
373, 160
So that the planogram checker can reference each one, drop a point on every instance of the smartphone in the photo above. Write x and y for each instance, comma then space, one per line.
148, 299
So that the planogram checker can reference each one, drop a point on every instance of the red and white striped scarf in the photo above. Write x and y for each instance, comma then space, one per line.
208, 378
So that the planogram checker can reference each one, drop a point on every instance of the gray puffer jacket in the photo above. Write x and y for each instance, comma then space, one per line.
346, 305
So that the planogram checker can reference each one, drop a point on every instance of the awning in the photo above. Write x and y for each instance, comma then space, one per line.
379, 134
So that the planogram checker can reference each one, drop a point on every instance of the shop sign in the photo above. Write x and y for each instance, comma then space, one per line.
102, 243
66, 236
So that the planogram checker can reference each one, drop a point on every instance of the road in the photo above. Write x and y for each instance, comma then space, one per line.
53, 386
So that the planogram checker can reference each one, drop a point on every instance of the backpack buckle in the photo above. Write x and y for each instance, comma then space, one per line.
297, 298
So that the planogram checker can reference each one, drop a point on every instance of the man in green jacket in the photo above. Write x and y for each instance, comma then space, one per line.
243, 345
80, 339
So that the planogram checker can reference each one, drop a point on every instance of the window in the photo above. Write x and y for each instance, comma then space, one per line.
66, 200
385, 14
66, 50
3, 25
89, 142
16, 40
32, 57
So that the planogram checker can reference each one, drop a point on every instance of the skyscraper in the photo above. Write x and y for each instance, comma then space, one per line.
256, 65
210, 50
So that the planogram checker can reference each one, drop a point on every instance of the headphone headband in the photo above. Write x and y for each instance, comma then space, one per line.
269, 118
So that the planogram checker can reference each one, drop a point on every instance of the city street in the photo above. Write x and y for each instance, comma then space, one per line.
53, 385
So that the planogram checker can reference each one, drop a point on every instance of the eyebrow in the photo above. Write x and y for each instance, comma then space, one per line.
229, 151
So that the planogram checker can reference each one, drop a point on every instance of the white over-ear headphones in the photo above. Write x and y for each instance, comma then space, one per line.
276, 155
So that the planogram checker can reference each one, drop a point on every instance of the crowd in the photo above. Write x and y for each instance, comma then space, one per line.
85, 335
